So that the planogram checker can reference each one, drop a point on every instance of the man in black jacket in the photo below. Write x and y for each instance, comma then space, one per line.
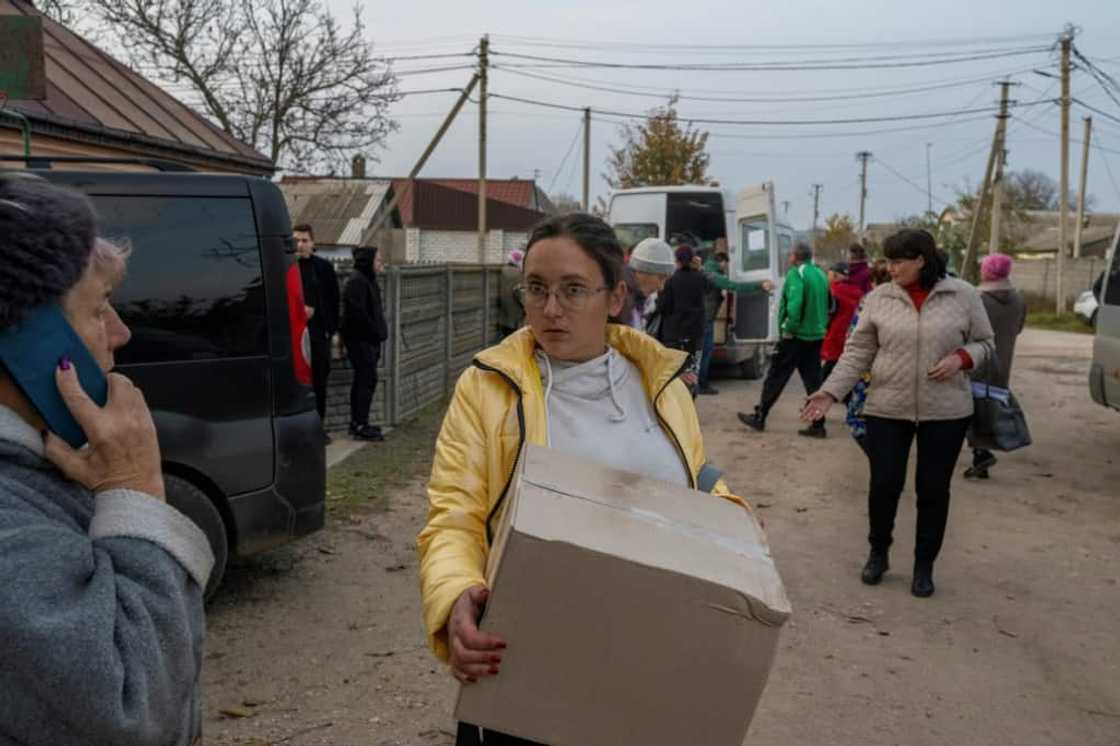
320, 295
363, 331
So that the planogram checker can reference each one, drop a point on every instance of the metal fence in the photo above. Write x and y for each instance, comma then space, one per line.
439, 316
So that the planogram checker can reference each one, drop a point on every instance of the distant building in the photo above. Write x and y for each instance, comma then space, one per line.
98, 107
436, 220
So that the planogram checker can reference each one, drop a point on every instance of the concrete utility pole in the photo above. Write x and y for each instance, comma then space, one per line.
816, 204
388, 211
1081, 191
970, 269
587, 159
483, 69
1063, 197
1001, 161
864, 156
785, 208
929, 181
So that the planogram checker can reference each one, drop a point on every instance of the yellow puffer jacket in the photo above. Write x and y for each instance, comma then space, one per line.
498, 406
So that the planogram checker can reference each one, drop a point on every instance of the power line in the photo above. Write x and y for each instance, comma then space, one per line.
1096, 110
556, 173
859, 133
865, 63
665, 93
656, 48
921, 189
765, 122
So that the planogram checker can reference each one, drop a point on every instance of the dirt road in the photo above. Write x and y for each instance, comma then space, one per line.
321, 643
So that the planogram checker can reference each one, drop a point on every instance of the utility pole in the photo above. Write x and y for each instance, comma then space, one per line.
483, 69
1081, 191
785, 208
816, 204
587, 159
1063, 197
1001, 161
864, 156
388, 211
929, 181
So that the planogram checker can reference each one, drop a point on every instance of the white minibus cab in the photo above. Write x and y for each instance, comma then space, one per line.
1104, 374
758, 246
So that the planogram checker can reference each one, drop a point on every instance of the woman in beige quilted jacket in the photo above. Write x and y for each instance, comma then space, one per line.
917, 335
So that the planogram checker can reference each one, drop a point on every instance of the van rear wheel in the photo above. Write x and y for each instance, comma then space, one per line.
196, 505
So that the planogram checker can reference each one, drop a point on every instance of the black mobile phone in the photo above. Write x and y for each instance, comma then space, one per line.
31, 350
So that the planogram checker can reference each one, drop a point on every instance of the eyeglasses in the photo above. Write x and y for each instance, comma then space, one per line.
571, 296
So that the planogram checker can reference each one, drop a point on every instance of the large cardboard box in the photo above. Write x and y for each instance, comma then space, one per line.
637, 613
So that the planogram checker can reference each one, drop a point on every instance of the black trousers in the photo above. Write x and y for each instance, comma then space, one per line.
363, 359
472, 735
791, 355
888, 443
320, 372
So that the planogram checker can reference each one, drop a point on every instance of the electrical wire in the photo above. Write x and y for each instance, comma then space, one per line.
666, 93
906, 179
765, 122
660, 48
564, 161
841, 64
1104, 114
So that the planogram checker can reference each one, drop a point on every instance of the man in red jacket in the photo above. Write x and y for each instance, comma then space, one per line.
846, 296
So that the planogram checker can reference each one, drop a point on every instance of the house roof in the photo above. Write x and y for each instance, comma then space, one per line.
515, 192
92, 97
1043, 229
437, 204
340, 210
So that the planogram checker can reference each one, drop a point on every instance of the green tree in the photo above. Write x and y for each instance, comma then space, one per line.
658, 151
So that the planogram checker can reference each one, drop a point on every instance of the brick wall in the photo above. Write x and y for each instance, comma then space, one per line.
462, 246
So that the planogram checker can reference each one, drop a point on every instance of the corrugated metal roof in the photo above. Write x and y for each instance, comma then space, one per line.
440, 204
92, 94
339, 210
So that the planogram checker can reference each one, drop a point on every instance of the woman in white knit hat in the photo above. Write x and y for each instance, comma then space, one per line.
651, 264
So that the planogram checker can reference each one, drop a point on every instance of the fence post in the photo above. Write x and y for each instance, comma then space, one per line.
485, 306
395, 371
448, 328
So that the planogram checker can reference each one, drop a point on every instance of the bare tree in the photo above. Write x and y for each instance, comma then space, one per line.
280, 75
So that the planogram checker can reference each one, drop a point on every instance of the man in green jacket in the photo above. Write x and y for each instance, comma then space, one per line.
715, 270
802, 321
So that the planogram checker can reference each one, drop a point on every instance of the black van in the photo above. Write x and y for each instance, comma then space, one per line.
213, 309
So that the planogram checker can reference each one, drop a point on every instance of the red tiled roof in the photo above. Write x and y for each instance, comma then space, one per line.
90, 94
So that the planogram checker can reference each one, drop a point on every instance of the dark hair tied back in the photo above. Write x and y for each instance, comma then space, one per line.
591, 234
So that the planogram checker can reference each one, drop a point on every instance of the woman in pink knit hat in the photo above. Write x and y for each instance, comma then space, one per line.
1008, 313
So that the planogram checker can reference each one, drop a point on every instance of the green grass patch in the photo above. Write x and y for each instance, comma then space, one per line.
368, 479
1069, 322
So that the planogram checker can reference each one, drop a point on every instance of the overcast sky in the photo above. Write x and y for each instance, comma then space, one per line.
527, 140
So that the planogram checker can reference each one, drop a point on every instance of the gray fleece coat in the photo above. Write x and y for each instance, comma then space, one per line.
101, 618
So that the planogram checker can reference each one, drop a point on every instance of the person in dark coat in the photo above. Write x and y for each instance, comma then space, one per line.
1008, 313
363, 331
859, 272
681, 305
321, 297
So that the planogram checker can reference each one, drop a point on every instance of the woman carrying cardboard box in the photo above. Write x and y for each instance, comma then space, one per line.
571, 380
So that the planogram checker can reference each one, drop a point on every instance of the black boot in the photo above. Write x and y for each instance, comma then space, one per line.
922, 585
873, 569
756, 421
815, 430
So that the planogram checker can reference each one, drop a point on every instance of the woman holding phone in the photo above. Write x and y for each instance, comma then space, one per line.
918, 335
572, 380
101, 601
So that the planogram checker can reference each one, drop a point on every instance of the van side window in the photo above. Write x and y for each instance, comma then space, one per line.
194, 288
1112, 282
785, 248
754, 243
